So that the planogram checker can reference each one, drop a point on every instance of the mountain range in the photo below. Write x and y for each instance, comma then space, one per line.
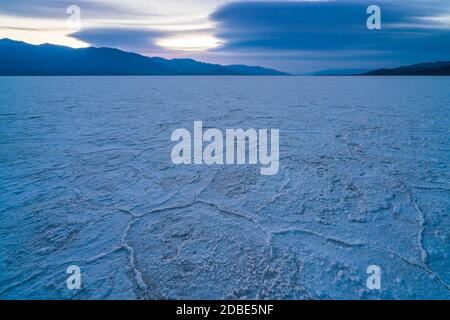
338, 72
22, 59
441, 68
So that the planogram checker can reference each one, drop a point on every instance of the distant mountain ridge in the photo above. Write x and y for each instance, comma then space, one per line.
338, 72
440, 68
22, 59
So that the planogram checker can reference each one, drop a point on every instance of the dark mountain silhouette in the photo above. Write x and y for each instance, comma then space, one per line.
441, 68
338, 72
23, 59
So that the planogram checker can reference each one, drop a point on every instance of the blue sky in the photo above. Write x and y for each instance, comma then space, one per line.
293, 36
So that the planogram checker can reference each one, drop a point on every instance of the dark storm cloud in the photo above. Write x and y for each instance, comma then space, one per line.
334, 26
119, 38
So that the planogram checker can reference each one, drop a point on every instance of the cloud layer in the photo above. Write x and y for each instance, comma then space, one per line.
408, 32
296, 36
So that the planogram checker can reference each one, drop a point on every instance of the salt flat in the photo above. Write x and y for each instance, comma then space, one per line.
86, 179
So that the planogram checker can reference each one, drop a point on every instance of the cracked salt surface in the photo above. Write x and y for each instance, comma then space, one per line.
86, 179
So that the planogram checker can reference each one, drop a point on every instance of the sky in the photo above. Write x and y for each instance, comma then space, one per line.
296, 36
